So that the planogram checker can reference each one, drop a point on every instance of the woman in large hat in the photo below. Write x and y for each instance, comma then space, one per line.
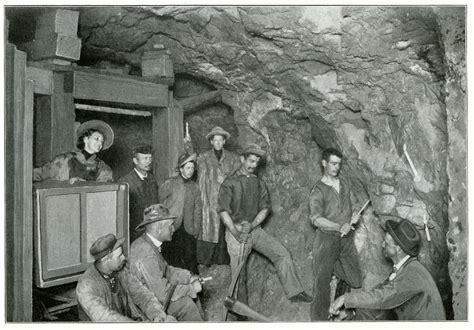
82, 165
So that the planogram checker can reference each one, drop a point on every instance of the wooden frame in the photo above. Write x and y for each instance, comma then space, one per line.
46, 277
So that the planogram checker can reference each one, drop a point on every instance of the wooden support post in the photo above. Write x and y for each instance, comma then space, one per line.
18, 175
54, 120
167, 138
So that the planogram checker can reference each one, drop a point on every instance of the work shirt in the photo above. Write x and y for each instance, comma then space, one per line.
412, 294
243, 196
326, 202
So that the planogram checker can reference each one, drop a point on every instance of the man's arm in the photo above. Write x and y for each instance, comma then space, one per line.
227, 220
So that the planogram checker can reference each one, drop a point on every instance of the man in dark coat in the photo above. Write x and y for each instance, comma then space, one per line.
143, 189
410, 291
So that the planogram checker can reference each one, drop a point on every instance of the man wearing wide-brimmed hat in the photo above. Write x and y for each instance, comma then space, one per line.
109, 292
244, 203
83, 165
214, 166
181, 195
409, 291
148, 264
142, 186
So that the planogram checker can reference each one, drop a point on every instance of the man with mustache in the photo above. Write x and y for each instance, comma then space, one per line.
244, 203
143, 189
109, 292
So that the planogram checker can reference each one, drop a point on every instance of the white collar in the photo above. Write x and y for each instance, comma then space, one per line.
141, 176
155, 241
399, 264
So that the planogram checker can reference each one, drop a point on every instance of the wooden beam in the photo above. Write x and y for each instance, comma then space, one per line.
126, 90
19, 169
120, 111
167, 139
56, 46
43, 80
194, 103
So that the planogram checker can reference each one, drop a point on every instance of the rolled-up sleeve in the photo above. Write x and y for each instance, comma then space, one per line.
264, 199
225, 197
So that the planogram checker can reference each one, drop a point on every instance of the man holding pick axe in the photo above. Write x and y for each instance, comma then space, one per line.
244, 203
334, 251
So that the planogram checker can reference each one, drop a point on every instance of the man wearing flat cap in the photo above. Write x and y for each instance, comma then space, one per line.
181, 195
143, 189
83, 164
244, 203
410, 291
149, 266
214, 165
109, 292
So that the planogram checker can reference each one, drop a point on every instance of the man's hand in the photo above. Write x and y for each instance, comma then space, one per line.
336, 306
170, 318
197, 285
239, 236
345, 229
355, 218
246, 227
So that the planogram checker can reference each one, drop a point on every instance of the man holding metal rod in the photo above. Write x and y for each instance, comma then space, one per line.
175, 288
244, 203
334, 251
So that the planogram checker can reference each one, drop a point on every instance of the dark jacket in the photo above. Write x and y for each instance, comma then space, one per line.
412, 295
142, 193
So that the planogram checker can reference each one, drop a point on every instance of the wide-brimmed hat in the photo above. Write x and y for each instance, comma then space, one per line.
217, 131
105, 245
405, 234
154, 213
100, 126
253, 149
186, 158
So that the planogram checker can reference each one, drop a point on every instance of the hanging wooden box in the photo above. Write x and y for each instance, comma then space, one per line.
67, 220
157, 63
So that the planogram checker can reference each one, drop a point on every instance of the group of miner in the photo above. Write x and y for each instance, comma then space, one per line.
211, 213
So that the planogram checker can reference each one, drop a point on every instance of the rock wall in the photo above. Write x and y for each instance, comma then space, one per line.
380, 83
452, 32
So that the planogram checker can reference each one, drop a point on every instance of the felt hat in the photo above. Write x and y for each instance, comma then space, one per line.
186, 158
154, 213
105, 245
100, 126
253, 149
217, 131
144, 149
405, 234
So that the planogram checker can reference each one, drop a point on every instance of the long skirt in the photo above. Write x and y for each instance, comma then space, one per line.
181, 250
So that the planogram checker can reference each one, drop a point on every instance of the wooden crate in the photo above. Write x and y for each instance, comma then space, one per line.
58, 21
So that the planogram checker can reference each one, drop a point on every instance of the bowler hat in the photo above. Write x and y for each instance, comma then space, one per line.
253, 149
186, 158
105, 245
405, 234
154, 213
217, 131
100, 126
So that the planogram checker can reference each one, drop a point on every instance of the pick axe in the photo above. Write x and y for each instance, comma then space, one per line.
242, 309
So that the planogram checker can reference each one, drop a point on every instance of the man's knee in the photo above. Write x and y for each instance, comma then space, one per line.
185, 309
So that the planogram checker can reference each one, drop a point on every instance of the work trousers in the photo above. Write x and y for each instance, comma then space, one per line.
267, 245
184, 309
336, 255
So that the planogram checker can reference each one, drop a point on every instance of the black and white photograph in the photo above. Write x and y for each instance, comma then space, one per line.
228, 163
